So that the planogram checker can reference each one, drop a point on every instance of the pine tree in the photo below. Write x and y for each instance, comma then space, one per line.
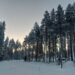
17, 53
46, 25
2, 30
53, 22
11, 48
70, 20
60, 21
6, 48
37, 34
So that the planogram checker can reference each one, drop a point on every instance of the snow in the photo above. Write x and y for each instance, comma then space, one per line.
19, 67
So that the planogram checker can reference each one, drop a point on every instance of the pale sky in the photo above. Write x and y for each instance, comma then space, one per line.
20, 15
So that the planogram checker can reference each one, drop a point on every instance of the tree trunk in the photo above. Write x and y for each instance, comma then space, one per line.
49, 48
36, 51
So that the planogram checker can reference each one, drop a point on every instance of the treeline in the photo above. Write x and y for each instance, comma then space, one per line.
9, 49
12, 50
54, 38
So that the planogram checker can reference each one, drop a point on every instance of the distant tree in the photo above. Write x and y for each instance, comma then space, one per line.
6, 42
17, 45
17, 53
11, 48
6, 48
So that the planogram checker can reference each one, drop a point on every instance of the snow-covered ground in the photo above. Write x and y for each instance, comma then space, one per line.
19, 67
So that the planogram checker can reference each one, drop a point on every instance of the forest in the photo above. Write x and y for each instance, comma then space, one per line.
51, 41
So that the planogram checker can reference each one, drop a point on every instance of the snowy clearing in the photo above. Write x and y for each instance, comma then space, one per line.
19, 67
